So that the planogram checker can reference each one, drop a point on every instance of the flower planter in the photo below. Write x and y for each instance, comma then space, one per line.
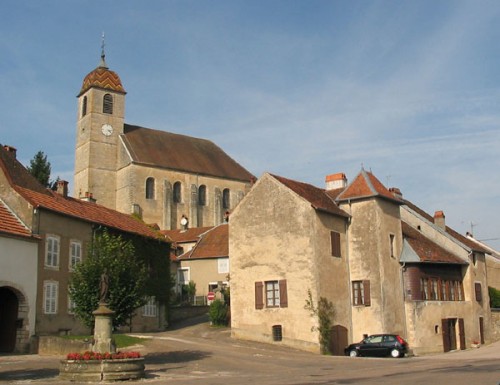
102, 370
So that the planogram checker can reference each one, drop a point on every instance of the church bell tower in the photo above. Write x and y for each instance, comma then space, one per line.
101, 111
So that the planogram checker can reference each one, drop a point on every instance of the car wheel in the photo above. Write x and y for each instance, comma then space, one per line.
353, 353
395, 353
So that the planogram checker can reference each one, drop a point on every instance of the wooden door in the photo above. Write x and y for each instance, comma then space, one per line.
338, 340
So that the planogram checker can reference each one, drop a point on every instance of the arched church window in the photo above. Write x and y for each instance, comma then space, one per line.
107, 104
226, 201
177, 193
202, 195
150, 188
84, 106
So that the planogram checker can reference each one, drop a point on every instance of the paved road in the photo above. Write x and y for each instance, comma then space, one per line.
202, 355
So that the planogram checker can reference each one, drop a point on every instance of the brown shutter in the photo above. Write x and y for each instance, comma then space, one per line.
283, 294
335, 244
446, 335
259, 295
366, 289
479, 296
461, 333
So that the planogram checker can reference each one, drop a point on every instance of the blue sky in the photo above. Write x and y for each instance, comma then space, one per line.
302, 89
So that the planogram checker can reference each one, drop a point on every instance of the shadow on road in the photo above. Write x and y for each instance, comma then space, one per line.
175, 357
202, 319
22, 375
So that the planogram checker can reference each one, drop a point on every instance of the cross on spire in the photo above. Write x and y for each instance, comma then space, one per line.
103, 55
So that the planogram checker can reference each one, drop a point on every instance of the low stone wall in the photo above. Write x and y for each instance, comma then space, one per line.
182, 313
495, 324
57, 346
105, 370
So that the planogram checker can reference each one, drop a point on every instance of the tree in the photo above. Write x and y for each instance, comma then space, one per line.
126, 274
40, 168
324, 312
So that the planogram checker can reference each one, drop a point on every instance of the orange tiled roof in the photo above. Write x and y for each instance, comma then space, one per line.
213, 243
11, 225
366, 185
459, 237
103, 78
183, 236
181, 152
427, 250
319, 198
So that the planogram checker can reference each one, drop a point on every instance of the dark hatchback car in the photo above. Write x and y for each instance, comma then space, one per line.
379, 345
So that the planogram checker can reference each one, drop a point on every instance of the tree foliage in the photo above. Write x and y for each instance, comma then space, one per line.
324, 311
127, 279
494, 297
218, 313
40, 168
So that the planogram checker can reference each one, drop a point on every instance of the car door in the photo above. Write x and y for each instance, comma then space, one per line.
371, 346
388, 343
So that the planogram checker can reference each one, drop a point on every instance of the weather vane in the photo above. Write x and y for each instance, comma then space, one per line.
103, 55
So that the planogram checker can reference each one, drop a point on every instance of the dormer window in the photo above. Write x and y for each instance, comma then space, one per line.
107, 104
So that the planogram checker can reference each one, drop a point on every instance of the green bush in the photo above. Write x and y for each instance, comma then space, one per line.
218, 313
494, 297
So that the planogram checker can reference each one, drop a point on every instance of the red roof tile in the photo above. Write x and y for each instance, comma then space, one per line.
11, 225
366, 185
427, 250
181, 152
212, 244
319, 198
183, 236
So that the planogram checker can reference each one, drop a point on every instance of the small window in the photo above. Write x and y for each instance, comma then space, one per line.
276, 294
84, 106
478, 290
150, 188
107, 104
335, 243
52, 251
226, 199
50, 289
272, 294
361, 293
223, 265
202, 195
391, 245
75, 254
177, 193
150, 309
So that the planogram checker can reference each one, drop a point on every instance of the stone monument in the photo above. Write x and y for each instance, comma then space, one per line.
103, 337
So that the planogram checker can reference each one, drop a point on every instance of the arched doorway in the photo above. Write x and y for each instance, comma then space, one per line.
9, 307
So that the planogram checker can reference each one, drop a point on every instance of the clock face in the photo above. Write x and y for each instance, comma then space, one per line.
107, 129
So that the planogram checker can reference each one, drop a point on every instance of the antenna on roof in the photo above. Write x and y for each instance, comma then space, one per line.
103, 55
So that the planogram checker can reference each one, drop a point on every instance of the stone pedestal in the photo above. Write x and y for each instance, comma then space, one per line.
103, 338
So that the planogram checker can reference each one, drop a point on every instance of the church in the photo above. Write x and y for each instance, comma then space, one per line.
161, 177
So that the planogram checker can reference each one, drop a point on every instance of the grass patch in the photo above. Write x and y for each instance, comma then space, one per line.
121, 340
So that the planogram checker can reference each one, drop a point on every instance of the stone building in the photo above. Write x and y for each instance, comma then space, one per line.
384, 264
157, 175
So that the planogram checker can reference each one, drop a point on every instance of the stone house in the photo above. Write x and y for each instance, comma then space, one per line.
157, 175
201, 256
384, 264
65, 227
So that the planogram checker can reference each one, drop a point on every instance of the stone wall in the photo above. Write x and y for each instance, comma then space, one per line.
495, 324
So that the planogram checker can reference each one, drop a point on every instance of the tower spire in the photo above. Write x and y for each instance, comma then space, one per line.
103, 55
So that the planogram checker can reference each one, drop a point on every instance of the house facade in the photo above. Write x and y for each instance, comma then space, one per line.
156, 175
395, 269
65, 228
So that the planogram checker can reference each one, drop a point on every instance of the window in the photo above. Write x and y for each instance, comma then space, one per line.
477, 289
438, 289
150, 309
434, 289
75, 254
150, 188
335, 243
177, 192
391, 245
50, 289
202, 195
223, 265
226, 199
84, 106
52, 251
276, 294
361, 293
182, 276
107, 104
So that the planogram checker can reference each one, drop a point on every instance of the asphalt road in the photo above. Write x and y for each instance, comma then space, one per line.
198, 354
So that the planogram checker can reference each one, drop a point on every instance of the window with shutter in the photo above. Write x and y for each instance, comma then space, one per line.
259, 295
52, 251
50, 289
335, 244
283, 293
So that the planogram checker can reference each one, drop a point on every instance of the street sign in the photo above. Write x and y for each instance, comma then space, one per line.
211, 296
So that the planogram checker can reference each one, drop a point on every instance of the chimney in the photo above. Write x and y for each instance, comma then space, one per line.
62, 188
396, 192
335, 181
88, 198
439, 219
11, 150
